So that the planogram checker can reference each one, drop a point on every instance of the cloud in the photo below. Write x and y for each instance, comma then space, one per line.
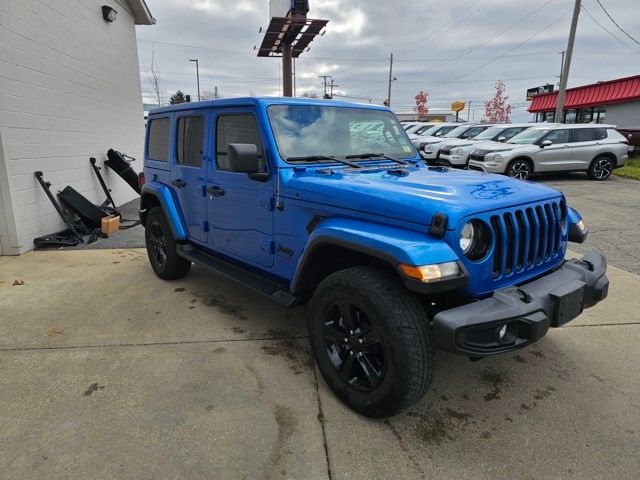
453, 50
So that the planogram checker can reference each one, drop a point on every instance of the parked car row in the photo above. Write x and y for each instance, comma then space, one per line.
520, 150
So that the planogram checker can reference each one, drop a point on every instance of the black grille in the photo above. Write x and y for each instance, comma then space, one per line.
526, 238
478, 154
473, 167
445, 151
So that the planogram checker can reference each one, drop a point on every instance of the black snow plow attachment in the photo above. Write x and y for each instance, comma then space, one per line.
120, 164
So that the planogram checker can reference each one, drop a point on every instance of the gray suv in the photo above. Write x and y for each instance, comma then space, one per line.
548, 148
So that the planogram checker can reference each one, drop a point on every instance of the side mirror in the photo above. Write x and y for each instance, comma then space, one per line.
546, 143
243, 157
502, 139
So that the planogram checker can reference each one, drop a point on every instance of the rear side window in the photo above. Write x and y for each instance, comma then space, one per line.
616, 135
601, 133
190, 141
158, 146
236, 129
473, 131
582, 135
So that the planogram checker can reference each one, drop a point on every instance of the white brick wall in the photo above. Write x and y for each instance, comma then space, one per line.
69, 90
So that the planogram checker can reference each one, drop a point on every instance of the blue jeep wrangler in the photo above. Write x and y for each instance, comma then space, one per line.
329, 204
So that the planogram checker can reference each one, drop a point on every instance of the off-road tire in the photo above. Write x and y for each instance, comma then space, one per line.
600, 168
519, 168
157, 235
400, 321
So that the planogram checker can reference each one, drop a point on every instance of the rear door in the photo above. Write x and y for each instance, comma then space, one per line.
240, 210
557, 156
583, 147
189, 171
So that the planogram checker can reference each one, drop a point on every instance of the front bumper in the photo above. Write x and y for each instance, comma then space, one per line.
485, 167
527, 310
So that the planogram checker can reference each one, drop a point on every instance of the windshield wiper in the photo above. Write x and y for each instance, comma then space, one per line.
376, 155
319, 158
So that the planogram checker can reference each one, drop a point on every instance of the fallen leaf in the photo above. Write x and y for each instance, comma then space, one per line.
18, 282
55, 331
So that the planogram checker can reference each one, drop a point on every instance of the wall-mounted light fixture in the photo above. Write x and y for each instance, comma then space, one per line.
109, 14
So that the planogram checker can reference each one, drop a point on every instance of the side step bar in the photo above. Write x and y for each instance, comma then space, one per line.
274, 290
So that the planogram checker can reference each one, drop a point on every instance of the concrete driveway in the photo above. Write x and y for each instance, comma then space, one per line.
109, 372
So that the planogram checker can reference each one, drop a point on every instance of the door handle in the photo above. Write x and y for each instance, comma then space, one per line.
179, 183
215, 191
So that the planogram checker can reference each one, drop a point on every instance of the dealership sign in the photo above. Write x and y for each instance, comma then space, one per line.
532, 92
457, 106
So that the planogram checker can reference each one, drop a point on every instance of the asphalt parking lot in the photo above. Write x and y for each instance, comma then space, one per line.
110, 372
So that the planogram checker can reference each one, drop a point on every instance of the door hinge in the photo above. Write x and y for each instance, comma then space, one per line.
204, 190
205, 226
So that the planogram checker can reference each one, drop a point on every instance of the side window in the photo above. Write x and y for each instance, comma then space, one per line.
582, 135
558, 136
601, 133
158, 146
240, 128
472, 132
190, 141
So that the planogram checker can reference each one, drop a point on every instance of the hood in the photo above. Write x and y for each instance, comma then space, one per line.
413, 194
426, 139
498, 146
456, 142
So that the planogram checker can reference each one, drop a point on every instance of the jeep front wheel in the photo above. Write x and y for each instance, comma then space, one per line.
370, 340
161, 247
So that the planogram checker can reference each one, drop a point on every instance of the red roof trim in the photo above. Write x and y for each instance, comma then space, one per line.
603, 93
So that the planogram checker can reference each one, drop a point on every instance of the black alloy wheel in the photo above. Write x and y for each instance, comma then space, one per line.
354, 347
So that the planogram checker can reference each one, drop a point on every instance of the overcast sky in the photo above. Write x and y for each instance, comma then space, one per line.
454, 50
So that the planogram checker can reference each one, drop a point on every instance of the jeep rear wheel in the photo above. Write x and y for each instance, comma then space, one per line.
161, 247
601, 168
520, 169
370, 340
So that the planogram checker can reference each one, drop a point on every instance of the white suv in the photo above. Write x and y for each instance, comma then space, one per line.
456, 152
592, 148
429, 148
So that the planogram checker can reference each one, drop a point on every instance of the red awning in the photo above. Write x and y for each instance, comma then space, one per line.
602, 93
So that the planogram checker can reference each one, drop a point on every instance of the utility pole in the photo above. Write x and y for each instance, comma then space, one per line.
469, 111
294, 78
561, 67
324, 81
331, 85
197, 75
567, 63
215, 92
391, 79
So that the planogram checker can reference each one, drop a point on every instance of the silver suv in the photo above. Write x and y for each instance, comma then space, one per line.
595, 149
429, 147
456, 152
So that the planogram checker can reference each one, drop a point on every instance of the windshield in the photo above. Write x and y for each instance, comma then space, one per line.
489, 133
529, 136
456, 132
312, 130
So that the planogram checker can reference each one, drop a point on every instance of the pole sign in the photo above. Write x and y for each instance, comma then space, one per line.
457, 106
532, 92
281, 8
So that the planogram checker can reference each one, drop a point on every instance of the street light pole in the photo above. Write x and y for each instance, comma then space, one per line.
197, 75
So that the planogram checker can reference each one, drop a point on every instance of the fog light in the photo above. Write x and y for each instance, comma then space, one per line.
502, 332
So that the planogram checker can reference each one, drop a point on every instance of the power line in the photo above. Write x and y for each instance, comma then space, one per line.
607, 30
616, 23
509, 50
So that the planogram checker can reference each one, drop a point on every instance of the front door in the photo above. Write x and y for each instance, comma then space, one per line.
189, 172
557, 156
240, 209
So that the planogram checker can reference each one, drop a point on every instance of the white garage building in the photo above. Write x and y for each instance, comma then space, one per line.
69, 90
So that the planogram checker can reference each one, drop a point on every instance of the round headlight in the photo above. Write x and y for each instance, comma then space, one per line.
466, 237
475, 240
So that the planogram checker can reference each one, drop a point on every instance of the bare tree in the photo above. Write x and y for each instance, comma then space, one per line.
155, 77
